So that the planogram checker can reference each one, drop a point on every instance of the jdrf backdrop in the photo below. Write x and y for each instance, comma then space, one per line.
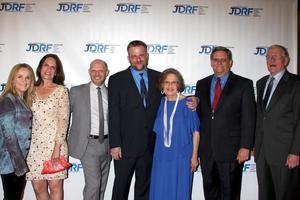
179, 34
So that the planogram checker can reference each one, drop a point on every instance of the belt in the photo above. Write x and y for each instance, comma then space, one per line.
97, 136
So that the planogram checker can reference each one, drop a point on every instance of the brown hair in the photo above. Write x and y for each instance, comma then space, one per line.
224, 49
59, 78
165, 73
136, 43
10, 86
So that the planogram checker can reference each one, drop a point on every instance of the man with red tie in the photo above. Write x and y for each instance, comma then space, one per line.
227, 112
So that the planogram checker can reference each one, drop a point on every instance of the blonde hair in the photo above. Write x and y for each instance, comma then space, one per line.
10, 86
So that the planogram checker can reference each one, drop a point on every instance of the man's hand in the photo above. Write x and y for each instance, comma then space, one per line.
192, 103
292, 161
116, 153
243, 155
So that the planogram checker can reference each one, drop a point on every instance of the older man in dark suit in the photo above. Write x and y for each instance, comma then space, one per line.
277, 143
227, 112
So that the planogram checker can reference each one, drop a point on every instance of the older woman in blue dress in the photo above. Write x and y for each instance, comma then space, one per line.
15, 130
177, 139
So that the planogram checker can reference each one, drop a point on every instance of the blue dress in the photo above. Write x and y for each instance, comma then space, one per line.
171, 176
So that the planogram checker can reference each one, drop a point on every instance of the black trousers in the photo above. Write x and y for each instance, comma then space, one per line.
124, 169
277, 182
13, 186
221, 180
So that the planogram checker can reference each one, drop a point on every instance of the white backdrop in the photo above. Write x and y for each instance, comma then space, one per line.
179, 34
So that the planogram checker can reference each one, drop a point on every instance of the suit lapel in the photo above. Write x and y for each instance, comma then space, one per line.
207, 91
132, 87
260, 92
151, 87
87, 100
281, 87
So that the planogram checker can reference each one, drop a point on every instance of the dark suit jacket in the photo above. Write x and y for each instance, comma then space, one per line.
130, 122
232, 125
278, 128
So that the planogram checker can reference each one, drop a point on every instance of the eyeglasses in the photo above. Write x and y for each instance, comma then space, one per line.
274, 58
222, 60
170, 82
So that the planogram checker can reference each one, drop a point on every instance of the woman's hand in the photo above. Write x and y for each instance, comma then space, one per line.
56, 153
194, 160
194, 163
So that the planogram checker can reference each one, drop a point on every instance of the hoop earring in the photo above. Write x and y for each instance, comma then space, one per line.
162, 92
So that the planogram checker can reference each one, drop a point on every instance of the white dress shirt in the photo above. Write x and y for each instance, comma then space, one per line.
276, 80
95, 109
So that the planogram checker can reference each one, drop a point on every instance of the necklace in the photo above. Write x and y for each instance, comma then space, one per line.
168, 137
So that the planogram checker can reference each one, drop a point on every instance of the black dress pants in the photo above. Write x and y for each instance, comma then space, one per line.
13, 186
276, 182
221, 180
124, 170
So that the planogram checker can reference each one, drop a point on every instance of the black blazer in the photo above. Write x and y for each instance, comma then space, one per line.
130, 123
232, 125
278, 128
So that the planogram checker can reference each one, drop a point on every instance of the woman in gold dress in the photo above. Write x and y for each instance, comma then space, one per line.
49, 128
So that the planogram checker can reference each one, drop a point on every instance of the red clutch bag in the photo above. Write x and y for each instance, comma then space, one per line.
50, 167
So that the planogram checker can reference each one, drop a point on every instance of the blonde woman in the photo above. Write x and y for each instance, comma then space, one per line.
15, 129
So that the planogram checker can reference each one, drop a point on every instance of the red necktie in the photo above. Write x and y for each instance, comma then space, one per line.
218, 91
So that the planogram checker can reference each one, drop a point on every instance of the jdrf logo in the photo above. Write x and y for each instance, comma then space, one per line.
249, 167
76, 167
189, 89
206, 49
73, 7
43, 48
2, 87
189, 9
132, 8
100, 48
245, 11
16, 7
161, 49
261, 51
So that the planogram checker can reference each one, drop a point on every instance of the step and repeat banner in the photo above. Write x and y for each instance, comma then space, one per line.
179, 34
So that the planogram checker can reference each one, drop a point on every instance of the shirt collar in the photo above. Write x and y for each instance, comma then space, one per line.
92, 85
136, 72
223, 78
279, 75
